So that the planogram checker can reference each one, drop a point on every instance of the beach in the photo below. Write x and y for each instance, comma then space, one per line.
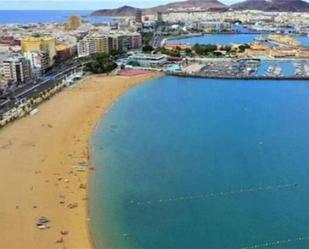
38, 159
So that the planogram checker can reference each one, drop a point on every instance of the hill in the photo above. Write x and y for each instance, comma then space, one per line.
273, 5
122, 11
175, 6
189, 5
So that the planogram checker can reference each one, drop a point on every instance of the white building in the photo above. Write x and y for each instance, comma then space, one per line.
105, 43
17, 69
86, 47
147, 60
4, 53
216, 26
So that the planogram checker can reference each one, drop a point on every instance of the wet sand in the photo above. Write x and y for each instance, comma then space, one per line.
38, 155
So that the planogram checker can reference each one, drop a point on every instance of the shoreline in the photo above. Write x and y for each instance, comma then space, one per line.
39, 165
260, 78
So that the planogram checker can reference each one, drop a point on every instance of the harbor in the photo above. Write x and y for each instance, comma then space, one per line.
255, 69
235, 38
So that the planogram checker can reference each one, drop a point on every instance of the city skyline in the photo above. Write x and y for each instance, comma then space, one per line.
81, 4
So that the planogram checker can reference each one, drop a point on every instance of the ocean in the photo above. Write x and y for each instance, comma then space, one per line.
45, 16
202, 163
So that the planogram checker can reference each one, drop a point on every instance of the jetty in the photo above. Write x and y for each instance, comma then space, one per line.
233, 77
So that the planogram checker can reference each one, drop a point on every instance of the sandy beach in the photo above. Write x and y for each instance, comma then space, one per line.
38, 155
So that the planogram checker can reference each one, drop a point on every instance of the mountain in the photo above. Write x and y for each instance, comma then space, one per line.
189, 4
122, 11
264, 5
273, 5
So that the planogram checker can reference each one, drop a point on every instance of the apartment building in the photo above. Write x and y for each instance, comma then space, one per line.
17, 69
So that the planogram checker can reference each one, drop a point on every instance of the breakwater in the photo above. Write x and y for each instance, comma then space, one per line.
227, 77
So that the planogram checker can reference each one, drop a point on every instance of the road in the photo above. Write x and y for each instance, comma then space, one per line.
29, 90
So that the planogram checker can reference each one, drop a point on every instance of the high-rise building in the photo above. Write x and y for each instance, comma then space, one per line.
101, 44
159, 17
138, 16
123, 43
39, 62
45, 44
134, 41
112, 43
86, 47
64, 52
74, 22
105, 43
17, 69
94, 44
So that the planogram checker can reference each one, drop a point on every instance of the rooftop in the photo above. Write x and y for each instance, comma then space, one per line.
39, 38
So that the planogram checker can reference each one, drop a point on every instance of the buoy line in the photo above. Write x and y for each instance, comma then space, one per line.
276, 243
216, 194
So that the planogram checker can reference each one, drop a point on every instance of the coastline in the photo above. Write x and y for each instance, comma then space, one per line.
39, 177
260, 78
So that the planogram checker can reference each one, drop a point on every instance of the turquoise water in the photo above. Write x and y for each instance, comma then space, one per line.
198, 163
222, 39
174, 67
227, 39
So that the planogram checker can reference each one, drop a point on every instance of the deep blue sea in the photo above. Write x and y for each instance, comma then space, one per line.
199, 163
45, 16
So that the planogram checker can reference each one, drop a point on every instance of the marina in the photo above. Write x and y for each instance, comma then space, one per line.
259, 69
230, 39
222, 39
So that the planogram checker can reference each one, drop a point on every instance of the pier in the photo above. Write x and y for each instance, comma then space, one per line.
236, 77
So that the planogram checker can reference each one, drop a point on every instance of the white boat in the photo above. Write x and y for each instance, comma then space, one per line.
34, 111
261, 38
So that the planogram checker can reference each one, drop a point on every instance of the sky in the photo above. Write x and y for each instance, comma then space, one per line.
82, 4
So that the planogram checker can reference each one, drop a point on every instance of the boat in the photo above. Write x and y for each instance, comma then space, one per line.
270, 69
261, 38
